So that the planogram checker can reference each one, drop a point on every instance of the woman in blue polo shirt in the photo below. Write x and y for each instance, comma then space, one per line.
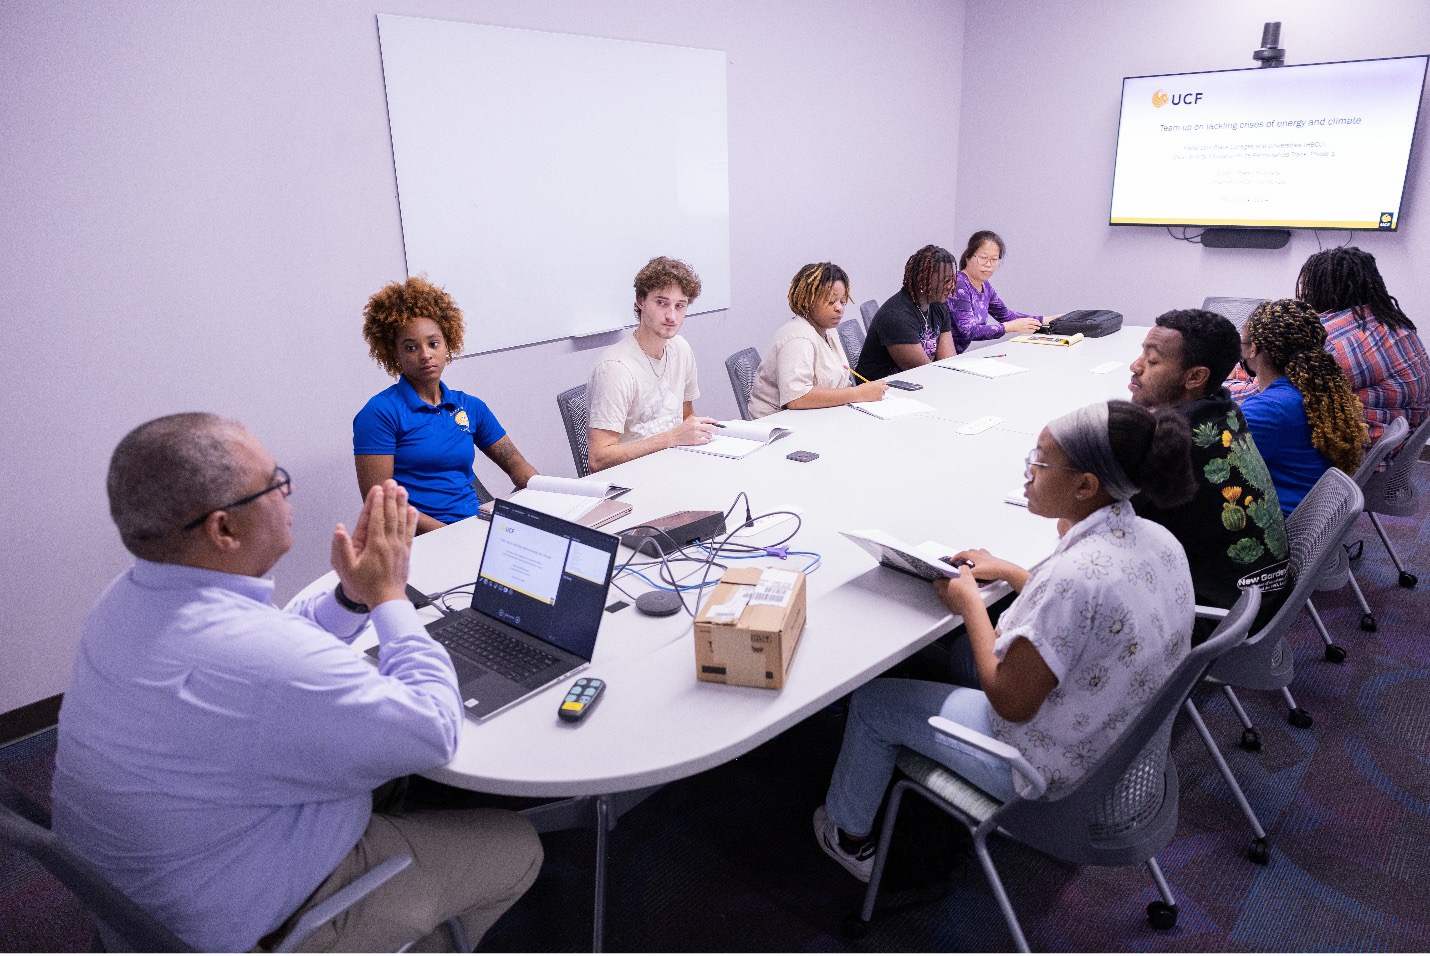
419, 431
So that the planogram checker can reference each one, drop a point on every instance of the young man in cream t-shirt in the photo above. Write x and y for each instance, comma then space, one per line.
641, 393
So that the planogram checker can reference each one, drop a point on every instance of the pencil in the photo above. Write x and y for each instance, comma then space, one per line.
855, 374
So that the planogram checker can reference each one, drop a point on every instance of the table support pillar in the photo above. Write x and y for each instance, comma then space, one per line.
605, 821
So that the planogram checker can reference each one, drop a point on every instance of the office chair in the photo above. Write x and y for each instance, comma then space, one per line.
572, 405
483, 496
851, 336
1235, 309
1314, 532
742, 367
1124, 811
1393, 492
124, 926
1339, 572
867, 311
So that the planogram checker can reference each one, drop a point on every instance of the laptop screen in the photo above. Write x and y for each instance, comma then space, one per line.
546, 576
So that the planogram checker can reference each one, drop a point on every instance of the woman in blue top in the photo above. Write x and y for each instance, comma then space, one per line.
1303, 416
977, 311
419, 431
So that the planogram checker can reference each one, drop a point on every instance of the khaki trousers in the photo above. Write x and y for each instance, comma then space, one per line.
472, 864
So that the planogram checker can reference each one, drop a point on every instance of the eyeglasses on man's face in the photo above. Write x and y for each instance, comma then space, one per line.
281, 483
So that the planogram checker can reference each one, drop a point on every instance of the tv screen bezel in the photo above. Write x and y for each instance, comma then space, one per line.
1409, 155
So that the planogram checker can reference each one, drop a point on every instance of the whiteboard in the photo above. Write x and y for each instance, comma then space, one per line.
537, 172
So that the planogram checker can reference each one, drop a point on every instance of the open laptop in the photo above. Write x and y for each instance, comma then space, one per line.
540, 593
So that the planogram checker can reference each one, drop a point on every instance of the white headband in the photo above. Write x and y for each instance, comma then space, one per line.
1082, 435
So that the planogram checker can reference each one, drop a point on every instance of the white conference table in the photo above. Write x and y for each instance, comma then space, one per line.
916, 478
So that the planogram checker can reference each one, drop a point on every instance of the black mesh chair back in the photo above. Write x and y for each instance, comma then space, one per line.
572, 405
123, 925
742, 367
867, 312
851, 336
1236, 309
1314, 532
483, 496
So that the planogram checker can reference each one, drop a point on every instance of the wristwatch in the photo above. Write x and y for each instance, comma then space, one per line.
347, 603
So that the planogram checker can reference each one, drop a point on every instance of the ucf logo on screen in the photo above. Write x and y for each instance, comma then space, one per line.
1161, 99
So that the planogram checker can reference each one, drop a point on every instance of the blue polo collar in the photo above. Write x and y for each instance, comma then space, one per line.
414, 401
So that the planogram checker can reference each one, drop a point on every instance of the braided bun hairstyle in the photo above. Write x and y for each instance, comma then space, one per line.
1291, 335
1154, 450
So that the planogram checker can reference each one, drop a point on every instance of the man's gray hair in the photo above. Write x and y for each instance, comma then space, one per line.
168, 472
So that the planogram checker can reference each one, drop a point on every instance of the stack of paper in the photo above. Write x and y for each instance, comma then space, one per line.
983, 368
893, 408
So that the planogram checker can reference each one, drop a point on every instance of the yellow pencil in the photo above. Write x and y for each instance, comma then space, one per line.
855, 374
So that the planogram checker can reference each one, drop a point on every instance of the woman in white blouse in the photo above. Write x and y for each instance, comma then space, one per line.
1095, 631
806, 367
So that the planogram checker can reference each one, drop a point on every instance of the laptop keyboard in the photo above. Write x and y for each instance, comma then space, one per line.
493, 648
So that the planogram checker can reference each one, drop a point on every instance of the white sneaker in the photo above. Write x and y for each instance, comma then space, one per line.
860, 865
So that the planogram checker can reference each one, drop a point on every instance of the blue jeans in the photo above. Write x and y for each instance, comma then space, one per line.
887, 714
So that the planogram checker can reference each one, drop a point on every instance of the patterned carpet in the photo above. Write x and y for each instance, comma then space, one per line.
726, 862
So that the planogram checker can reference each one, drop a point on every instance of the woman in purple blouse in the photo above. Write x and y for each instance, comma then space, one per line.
977, 311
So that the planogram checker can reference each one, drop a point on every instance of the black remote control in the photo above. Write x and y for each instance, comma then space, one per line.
583, 695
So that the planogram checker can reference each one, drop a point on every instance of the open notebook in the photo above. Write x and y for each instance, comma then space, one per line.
893, 408
588, 502
982, 367
922, 561
737, 439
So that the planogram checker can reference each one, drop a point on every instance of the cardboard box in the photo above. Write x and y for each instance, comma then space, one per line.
748, 630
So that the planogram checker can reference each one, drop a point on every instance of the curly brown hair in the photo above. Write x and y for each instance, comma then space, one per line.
812, 283
662, 272
396, 304
1291, 334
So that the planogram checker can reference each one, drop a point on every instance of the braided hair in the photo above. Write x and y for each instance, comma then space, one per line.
1291, 334
812, 283
1347, 278
921, 269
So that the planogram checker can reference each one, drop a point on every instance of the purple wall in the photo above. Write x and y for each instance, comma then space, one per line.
199, 197
1042, 85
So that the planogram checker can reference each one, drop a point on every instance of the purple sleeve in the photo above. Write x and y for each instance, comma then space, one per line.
968, 323
1001, 312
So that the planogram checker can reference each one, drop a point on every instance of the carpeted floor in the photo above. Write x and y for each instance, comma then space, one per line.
726, 862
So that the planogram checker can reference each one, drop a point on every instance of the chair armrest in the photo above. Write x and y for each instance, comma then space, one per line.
994, 748
349, 895
1211, 613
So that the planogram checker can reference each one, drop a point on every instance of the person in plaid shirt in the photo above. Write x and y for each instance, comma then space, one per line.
1370, 337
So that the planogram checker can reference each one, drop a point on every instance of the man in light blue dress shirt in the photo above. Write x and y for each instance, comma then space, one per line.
217, 755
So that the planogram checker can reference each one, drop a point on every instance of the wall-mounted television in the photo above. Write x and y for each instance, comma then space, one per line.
1320, 146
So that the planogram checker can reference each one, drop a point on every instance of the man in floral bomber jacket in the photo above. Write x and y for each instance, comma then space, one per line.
1233, 529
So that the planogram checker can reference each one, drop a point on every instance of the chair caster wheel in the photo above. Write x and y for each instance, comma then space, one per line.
1299, 718
1367, 622
1259, 852
1162, 915
1335, 653
855, 928
1408, 580
1250, 740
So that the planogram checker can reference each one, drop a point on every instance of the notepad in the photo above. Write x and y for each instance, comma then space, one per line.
1106, 367
1048, 338
736, 439
893, 408
984, 368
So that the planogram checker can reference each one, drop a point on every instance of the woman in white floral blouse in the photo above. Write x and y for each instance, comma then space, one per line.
1097, 627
